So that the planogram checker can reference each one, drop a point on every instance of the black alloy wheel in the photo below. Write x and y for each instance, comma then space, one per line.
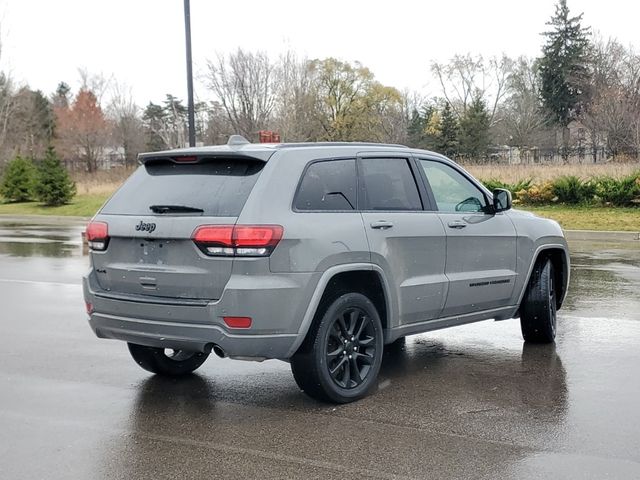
350, 347
341, 356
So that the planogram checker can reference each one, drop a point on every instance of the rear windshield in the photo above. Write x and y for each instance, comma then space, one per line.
218, 187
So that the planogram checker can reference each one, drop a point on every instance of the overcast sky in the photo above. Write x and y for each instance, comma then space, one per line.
141, 42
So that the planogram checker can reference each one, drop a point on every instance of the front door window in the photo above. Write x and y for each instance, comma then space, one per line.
453, 192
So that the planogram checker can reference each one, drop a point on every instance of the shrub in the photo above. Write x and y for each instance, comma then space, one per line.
18, 180
537, 194
53, 186
620, 192
571, 189
493, 183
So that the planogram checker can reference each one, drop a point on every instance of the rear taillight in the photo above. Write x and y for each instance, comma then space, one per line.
98, 236
237, 240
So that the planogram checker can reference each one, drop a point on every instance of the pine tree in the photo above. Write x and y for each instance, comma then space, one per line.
18, 180
447, 141
53, 185
563, 66
43, 116
474, 130
60, 98
415, 129
153, 119
421, 130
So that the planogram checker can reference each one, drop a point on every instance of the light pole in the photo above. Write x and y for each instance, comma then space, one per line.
190, 108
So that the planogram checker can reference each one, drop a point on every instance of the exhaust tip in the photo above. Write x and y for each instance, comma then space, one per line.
218, 351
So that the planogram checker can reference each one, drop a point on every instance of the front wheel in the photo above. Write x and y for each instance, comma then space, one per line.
341, 356
161, 361
538, 308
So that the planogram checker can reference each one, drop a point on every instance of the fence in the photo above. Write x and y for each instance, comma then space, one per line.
558, 155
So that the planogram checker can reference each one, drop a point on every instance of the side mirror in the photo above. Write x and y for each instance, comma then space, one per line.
501, 200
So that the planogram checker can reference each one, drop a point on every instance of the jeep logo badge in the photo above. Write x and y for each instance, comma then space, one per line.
145, 227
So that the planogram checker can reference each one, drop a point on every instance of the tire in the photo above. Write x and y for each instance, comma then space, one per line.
341, 356
155, 360
538, 308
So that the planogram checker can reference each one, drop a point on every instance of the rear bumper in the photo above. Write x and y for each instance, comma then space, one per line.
276, 318
186, 336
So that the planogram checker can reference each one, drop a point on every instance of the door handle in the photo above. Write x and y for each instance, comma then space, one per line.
381, 224
457, 224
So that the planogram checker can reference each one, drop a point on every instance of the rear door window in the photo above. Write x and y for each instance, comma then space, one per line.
328, 186
389, 185
218, 187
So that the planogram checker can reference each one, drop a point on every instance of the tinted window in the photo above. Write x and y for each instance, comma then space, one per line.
389, 185
329, 185
452, 190
219, 187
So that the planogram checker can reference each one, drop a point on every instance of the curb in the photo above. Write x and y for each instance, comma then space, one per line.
601, 235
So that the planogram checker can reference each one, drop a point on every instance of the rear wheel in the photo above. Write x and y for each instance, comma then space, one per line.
166, 361
538, 308
341, 356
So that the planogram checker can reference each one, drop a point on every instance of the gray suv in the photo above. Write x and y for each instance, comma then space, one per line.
320, 254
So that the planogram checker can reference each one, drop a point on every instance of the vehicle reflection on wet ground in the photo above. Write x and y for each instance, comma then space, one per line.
468, 402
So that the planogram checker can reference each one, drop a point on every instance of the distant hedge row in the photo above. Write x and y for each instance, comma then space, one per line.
573, 190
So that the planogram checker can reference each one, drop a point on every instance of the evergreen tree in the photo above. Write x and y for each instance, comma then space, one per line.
43, 116
447, 141
563, 67
153, 119
474, 130
165, 125
415, 129
53, 185
424, 128
18, 180
60, 98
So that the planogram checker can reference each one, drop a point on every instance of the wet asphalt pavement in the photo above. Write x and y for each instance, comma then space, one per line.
469, 402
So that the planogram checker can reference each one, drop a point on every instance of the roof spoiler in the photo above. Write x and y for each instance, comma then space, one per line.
234, 149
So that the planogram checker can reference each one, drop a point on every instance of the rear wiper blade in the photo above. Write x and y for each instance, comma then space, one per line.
174, 208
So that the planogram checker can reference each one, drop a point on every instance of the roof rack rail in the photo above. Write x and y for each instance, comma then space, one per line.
338, 144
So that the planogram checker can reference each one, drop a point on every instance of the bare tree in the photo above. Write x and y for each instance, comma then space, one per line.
244, 84
97, 83
30, 128
7, 106
128, 131
295, 116
611, 115
215, 121
632, 80
466, 78
521, 122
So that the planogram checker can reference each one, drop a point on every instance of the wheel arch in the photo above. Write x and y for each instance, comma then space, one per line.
559, 257
364, 278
